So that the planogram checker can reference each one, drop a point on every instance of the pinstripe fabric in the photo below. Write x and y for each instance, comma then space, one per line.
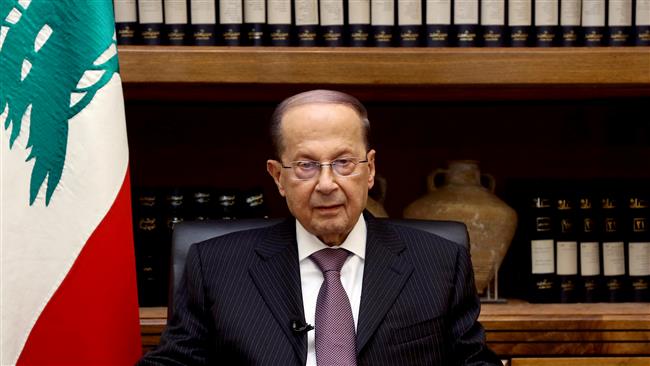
241, 292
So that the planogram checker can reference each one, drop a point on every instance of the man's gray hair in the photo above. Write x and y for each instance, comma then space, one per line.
311, 97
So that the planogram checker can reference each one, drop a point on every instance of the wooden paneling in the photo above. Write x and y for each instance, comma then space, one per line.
583, 361
522, 329
240, 73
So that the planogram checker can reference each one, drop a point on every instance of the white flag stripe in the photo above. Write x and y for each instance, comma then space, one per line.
93, 173
89, 78
42, 37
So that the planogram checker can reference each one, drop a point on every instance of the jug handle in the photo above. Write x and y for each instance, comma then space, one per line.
431, 179
490, 180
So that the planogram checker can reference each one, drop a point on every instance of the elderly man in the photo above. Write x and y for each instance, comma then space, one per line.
330, 285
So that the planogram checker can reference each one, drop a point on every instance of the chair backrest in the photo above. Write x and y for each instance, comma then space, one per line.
189, 232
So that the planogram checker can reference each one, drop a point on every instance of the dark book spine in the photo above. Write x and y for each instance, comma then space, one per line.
590, 252
227, 205
382, 20
254, 22
358, 23
231, 14
642, 23
202, 205
203, 16
520, 20
148, 239
566, 251
437, 23
332, 23
279, 22
619, 23
547, 20
466, 23
126, 21
306, 22
409, 23
252, 204
150, 14
176, 27
594, 14
493, 21
570, 11
613, 251
638, 219
543, 281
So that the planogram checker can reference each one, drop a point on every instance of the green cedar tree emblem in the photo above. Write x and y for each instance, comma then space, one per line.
46, 46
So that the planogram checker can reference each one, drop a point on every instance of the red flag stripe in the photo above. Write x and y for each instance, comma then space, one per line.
92, 318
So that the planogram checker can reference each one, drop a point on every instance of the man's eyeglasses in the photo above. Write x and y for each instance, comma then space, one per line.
308, 169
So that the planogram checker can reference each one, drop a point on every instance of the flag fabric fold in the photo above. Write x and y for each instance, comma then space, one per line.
67, 287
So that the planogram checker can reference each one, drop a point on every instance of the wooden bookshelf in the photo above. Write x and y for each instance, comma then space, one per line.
229, 73
520, 329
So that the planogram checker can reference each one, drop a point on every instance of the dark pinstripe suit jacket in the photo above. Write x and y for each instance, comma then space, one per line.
241, 292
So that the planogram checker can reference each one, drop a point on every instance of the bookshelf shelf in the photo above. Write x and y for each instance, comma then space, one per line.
226, 73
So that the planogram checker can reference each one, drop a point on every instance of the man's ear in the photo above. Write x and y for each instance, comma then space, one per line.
371, 167
275, 170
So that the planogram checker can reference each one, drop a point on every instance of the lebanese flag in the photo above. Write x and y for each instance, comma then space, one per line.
68, 288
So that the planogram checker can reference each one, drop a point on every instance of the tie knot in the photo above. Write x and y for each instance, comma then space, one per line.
330, 259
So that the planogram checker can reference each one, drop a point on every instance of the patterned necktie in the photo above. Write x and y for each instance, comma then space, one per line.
335, 335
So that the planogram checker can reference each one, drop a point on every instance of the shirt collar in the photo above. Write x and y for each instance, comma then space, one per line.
309, 244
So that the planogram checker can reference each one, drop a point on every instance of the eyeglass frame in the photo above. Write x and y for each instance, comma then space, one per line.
331, 164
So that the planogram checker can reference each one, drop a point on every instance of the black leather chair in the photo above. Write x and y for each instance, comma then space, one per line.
189, 232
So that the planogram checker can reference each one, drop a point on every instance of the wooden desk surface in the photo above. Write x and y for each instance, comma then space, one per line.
518, 328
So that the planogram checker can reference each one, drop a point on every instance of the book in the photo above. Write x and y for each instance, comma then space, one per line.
493, 22
227, 202
619, 22
613, 248
278, 22
593, 23
358, 23
570, 18
231, 14
332, 23
547, 20
541, 250
437, 23
590, 251
642, 23
203, 19
201, 207
382, 22
466, 23
148, 236
150, 21
409, 23
254, 22
637, 222
306, 22
566, 250
176, 27
126, 21
520, 18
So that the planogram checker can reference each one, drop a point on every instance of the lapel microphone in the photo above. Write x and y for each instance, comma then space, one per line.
299, 327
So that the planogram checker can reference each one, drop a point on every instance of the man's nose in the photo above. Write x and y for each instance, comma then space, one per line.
326, 182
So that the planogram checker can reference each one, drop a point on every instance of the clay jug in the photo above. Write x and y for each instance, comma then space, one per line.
491, 223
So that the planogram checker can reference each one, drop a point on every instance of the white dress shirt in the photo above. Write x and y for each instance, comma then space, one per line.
311, 277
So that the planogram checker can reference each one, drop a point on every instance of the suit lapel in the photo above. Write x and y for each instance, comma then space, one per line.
277, 277
384, 276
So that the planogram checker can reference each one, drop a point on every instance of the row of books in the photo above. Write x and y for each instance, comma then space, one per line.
588, 248
157, 211
384, 23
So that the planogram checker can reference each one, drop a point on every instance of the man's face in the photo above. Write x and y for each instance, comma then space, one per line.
327, 205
